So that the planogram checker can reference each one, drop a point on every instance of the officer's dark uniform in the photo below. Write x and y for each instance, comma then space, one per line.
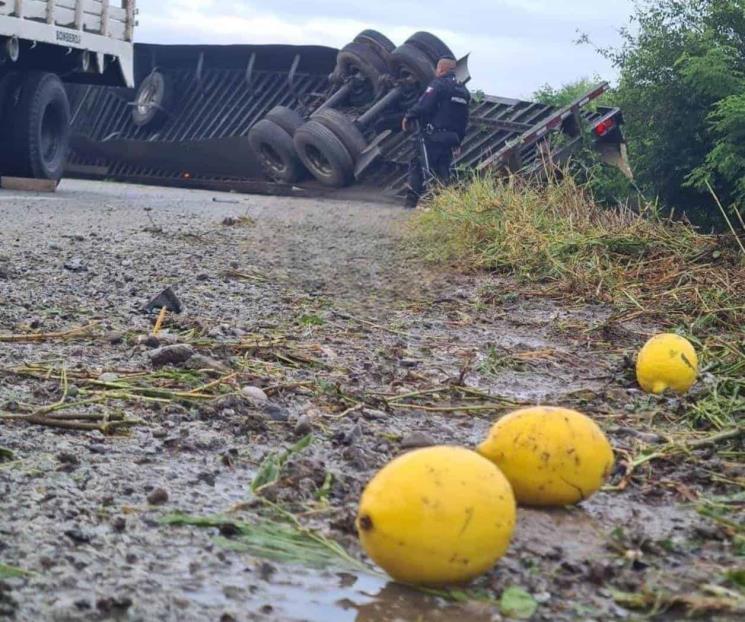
443, 113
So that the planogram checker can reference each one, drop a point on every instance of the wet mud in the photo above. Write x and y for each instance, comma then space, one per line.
324, 306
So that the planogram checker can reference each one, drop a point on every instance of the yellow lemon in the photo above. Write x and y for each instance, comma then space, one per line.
551, 456
437, 516
667, 362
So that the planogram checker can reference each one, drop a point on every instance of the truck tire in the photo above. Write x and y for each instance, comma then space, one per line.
358, 59
154, 101
431, 45
324, 155
344, 129
37, 121
287, 118
409, 62
378, 41
276, 152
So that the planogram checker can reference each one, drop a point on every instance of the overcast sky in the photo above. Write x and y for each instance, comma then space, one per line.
516, 45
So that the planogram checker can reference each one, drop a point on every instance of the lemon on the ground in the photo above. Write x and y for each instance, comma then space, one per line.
665, 362
551, 456
437, 516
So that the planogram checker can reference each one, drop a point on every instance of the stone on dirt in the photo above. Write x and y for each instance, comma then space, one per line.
416, 440
171, 355
159, 496
255, 394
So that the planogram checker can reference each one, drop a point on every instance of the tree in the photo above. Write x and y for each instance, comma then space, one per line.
682, 90
569, 92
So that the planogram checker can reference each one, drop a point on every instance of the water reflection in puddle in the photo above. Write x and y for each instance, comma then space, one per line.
360, 598
336, 597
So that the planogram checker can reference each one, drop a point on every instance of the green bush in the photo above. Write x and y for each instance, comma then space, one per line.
682, 90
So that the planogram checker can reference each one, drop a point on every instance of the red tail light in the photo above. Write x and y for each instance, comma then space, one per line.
602, 128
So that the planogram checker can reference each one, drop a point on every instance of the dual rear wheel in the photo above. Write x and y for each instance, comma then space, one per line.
330, 143
271, 140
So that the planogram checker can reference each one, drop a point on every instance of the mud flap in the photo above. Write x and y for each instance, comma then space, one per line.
616, 154
462, 72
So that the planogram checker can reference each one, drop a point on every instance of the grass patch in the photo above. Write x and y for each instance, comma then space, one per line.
556, 240
555, 235
277, 540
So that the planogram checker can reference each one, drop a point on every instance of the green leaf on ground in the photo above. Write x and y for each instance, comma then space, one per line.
11, 572
271, 467
517, 603
6, 455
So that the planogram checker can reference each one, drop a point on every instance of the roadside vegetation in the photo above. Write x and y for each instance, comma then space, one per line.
681, 87
657, 274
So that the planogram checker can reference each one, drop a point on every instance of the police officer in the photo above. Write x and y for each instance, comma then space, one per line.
442, 113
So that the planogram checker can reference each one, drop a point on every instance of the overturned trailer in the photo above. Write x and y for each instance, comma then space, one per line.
306, 119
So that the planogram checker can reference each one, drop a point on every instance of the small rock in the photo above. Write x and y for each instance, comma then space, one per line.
230, 222
207, 478
72, 391
417, 439
110, 604
256, 394
276, 413
200, 361
4, 271
115, 338
373, 415
151, 341
78, 536
266, 570
229, 530
203, 277
303, 426
159, 496
409, 363
68, 458
75, 265
119, 524
352, 435
108, 377
171, 355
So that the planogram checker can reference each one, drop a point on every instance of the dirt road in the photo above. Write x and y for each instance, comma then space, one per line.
323, 306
